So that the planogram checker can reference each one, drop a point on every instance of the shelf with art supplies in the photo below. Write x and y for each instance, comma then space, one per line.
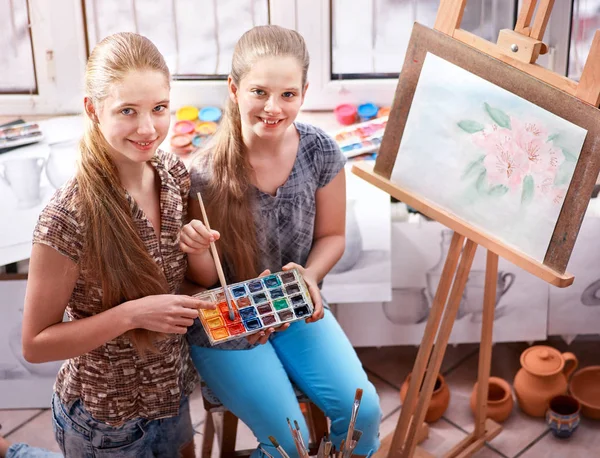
193, 128
363, 131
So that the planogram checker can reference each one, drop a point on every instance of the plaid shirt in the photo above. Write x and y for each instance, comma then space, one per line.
114, 383
284, 222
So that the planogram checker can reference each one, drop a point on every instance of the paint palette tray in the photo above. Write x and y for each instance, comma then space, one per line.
361, 138
258, 304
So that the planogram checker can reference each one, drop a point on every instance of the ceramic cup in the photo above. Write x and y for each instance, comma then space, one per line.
475, 287
61, 162
22, 175
563, 416
408, 306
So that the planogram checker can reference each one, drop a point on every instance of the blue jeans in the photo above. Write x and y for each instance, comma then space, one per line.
26, 451
79, 435
255, 384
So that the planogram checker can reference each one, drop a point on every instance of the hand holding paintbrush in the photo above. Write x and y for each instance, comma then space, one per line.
215, 255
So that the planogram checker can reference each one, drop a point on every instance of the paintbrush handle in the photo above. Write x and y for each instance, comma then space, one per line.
213, 248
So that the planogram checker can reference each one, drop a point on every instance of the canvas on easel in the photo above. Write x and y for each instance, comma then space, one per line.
503, 152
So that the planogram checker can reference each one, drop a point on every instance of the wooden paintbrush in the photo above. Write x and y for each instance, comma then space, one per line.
301, 440
354, 414
295, 437
278, 447
215, 255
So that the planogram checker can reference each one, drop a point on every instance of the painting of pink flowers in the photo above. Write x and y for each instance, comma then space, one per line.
492, 158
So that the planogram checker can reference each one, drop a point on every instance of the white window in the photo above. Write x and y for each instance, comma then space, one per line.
196, 38
357, 47
43, 56
586, 20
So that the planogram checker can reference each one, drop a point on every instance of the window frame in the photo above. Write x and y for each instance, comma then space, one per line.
314, 22
57, 31
214, 92
59, 27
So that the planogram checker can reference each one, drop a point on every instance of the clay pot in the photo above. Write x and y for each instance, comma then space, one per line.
585, 388
543, 375
440, 399
499, 400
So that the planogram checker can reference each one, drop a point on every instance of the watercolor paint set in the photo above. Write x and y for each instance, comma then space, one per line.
258, 304
361, 138
20, 134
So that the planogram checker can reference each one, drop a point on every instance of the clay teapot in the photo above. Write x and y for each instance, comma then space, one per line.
544, 374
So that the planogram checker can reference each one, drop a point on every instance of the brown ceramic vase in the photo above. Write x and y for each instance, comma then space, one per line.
440, 399
499, 401
544, 374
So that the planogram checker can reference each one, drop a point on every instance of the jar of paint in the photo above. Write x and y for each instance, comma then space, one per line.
367, 111
345, 114
187, 113
210, 114
180, 142
183, 127
206, 128
383, 111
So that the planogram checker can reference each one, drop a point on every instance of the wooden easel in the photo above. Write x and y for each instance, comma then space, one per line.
519, 48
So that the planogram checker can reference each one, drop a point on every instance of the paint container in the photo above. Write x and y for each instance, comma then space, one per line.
361, 138
345, 114
184, 127
259, 303
180, 141
383, 111
367, 111
181, 144
187, 113
198, 140
210, 114
206, 128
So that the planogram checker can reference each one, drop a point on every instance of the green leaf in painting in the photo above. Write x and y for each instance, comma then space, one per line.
568, 156
552, 137
498, 116
528, 188
498, 190
481, 182
470, 126
474, 168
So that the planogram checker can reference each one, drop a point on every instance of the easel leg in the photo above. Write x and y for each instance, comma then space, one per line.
435, 364
426, 346
485, 430
485, 347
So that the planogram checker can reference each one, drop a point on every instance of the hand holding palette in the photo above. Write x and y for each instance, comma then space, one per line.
258, 304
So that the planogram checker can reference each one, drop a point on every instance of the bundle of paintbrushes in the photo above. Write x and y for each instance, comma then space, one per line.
326, 448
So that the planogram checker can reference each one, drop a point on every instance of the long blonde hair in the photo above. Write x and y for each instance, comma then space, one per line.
228, 192
113, 250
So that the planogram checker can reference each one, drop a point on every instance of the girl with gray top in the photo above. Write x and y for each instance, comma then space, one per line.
275, 191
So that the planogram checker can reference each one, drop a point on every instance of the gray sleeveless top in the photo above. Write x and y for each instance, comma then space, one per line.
284, 222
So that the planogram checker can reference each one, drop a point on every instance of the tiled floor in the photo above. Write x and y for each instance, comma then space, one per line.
387, 367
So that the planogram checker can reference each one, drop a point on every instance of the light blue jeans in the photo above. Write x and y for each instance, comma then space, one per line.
79, 435
318, 357
26, 451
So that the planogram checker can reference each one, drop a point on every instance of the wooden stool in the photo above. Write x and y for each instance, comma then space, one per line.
222, 423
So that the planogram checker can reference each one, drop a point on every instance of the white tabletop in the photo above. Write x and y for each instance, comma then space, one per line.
17, 224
